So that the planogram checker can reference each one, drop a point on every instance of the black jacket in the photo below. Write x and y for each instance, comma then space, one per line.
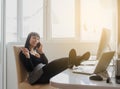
33, 61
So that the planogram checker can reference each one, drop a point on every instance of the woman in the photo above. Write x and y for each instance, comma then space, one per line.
36, 63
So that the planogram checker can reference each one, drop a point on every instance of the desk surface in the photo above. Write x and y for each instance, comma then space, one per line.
69, 80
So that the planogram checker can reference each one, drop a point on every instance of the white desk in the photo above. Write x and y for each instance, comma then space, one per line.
69, 80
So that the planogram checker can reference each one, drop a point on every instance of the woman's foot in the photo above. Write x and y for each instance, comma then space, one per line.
72, 58
82, 58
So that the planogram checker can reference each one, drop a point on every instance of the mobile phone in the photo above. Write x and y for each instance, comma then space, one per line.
38, 45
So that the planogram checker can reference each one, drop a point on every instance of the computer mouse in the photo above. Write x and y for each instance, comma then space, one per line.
96, 77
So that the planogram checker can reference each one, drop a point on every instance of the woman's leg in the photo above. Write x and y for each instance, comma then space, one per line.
53, 68
59, 65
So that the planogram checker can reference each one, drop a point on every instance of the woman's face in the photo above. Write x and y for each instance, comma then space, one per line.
34, 40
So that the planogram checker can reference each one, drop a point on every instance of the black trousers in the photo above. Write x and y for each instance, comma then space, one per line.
52, 69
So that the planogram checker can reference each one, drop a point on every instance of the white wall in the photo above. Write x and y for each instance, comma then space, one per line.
0, 53
11, 82
0, 77
52, 51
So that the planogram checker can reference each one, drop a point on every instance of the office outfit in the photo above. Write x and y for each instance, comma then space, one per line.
39, 70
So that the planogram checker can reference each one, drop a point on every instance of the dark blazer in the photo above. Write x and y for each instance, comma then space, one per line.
33, 66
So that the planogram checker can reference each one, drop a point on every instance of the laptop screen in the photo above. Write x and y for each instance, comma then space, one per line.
104, 61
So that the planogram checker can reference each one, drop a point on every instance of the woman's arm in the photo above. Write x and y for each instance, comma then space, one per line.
26, 62
44, 58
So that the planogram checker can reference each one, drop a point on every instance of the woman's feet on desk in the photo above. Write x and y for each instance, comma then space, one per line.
76, 60
82, 58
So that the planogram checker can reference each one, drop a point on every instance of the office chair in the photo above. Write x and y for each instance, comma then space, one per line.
22, 74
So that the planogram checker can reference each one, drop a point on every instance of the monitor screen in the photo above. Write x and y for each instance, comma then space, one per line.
104, 42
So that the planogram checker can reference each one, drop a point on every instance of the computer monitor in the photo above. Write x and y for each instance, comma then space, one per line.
103, 43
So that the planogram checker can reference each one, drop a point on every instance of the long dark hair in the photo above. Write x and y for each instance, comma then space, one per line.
27, 43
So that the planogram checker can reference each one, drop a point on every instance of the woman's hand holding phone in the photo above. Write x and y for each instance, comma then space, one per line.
40, 49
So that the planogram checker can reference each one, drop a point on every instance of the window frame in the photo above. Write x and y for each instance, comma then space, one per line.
3, 42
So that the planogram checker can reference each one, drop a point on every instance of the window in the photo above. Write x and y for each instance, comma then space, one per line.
81, 19
94, 16
11, 20
62, 18
65, 19
32, 17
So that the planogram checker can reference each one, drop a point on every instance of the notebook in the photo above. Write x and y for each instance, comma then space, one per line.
100, 66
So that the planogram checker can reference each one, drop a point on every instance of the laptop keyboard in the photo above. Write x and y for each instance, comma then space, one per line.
84, 69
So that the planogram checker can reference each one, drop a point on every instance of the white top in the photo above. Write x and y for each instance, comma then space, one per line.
69, 80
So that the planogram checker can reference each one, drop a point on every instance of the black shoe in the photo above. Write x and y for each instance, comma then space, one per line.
82, 58
72, 58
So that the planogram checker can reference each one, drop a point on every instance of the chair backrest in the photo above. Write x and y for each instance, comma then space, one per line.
21, 71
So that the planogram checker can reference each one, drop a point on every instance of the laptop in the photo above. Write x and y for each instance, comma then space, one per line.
100, 67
